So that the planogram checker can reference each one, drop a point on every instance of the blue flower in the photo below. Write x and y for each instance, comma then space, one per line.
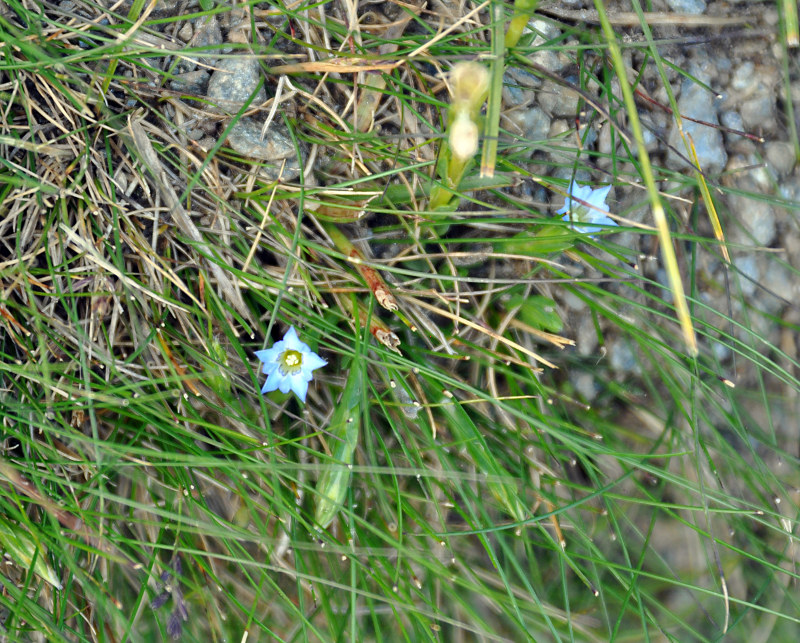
585, 205
288, 365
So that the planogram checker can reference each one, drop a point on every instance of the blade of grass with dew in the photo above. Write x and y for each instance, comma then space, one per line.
712, 210
790, 22
667, 250
494, 101
466, 433
790, 41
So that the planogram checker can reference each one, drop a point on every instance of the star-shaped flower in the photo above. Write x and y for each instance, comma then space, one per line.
288, 365
585, 205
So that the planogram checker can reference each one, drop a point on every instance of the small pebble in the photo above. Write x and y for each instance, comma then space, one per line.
532, 127
192, 82
687, 6
186, 32
208, 37
234, 82
585, 384
558, 100
697, 102
758, 112
748, 268
781, 157
743, 76
757, 218
275, 146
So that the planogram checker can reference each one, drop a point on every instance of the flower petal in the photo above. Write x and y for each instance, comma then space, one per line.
285, 383
268, 355
585, 205
271, 384
292, 341
312, 361
577, 192
270, 367
300, 387
599, 196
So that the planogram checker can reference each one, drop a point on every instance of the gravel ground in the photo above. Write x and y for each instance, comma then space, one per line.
741, 64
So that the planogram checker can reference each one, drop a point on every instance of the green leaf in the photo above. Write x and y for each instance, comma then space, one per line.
537, 311
546, 241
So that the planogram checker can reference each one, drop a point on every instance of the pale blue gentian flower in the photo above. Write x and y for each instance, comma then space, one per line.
288, 365
592, 210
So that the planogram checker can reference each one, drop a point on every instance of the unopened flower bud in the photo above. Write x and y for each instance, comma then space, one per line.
463, 137
470, 83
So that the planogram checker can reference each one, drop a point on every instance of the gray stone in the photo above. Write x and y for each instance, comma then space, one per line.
533, 126
537, 124
758, 112
791, 191
208, 37
651, 142
743, 76
721, 352
757, 218
585, 385
518, 86
558, 100
748, 268
782, 285
780, 156
185, 33
687, 6
276, 146
586, 336
513, 95
748, 206
570, 300
737, 143
192, 82
697, 102
548, 59
622, 358
544, 32
733, 120
234, 82
195, 134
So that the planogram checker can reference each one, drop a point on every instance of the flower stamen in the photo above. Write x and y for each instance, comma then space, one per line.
291, 362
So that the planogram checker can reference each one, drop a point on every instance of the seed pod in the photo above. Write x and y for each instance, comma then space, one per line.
21, 548
343, 436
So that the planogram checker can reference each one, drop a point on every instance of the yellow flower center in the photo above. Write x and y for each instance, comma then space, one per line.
291, 362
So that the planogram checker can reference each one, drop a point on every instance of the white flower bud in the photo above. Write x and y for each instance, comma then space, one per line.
470, 83
463, 137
